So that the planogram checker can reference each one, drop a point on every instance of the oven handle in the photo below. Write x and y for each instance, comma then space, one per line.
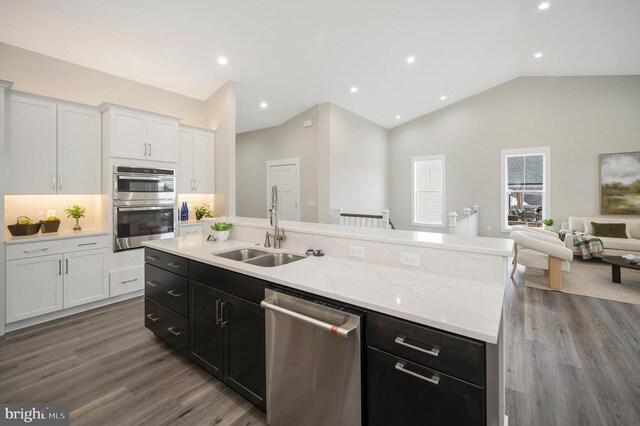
141, 209
156, 178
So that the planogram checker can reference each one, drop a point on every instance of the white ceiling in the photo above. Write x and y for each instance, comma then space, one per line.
294, 54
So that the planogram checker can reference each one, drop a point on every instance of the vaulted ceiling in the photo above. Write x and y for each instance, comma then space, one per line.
293, 54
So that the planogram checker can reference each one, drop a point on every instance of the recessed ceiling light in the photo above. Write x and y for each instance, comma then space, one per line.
398, 117
538, 55
543, 6
443, 97
411, 59
354, 89
263, 104
222, 60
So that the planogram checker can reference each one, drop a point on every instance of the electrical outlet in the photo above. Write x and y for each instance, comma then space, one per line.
410, 259
356, 251
488, 228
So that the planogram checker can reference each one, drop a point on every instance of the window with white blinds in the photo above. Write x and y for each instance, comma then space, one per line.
428, 190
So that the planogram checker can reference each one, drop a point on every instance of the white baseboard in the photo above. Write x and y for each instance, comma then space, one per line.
71, 311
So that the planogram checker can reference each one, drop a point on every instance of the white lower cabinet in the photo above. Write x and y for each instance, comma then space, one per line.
85, 278
43, 284
34, 287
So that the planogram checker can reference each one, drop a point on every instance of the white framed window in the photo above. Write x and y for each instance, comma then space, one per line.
427, 188
524, 186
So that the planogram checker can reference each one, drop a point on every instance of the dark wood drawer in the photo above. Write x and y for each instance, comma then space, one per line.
176, 264
167, 325
168, 289
451, 354
400, 392
243, 286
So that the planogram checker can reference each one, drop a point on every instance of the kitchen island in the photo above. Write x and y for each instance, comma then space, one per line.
445, 327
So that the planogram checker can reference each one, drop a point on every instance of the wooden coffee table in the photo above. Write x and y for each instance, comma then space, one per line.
618, 262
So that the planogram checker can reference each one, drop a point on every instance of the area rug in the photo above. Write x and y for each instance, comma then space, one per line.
591, 278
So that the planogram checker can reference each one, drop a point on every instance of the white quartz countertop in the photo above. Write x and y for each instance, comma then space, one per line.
466, 307
50, 236
486, 245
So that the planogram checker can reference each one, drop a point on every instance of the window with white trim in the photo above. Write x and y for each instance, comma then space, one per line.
525, 187
428, 190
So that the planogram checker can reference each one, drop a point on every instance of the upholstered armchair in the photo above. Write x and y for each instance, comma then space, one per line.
536, 250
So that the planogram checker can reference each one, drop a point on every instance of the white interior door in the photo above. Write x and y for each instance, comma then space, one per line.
285, 175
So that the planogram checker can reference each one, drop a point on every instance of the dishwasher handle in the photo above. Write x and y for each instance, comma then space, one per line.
345, 330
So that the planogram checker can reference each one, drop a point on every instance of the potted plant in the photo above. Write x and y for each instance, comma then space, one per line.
50, 224
203, 211
221, 231
75, 212
548, 223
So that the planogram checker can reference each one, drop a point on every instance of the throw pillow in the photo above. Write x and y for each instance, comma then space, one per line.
611, 230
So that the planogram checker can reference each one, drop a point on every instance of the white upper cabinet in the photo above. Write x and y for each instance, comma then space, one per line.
30, 149
140, 135
78, 150
196, 171
52, 147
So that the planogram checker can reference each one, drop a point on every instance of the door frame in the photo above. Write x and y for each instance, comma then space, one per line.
284, 162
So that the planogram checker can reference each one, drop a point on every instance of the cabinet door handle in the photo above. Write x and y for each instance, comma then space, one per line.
53, 182
175, 333
66, 266
218, 320
87, 244
435, 379
60, 182
149, 149
145, 149
36, 250
174, 265
196, 183
59, 267
174, 294
150, 316
433, 352
151, 283
152, 258
129, 281
222, 321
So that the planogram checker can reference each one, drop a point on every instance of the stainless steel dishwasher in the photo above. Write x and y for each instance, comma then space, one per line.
313, 361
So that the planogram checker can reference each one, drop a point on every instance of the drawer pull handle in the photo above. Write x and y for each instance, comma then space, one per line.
129, 281
175, 333
218, 320
87, 244
36, 250
152, 258
174, 265
174, 294
433, 352
435, 379
150, 316
152, 283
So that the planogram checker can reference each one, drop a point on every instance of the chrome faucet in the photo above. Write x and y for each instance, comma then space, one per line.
278, 234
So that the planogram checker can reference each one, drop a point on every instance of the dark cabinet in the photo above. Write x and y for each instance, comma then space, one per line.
166, 324
244, 326
206, 336
401, 392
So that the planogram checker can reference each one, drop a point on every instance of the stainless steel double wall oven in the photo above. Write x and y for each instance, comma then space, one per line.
144, 205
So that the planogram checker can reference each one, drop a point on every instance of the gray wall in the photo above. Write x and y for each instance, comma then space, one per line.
289, 140
578, 117
358, 163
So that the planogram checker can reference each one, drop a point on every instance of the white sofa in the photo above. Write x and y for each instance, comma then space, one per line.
612, 246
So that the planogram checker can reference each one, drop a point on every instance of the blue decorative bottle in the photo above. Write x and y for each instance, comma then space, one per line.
184, 212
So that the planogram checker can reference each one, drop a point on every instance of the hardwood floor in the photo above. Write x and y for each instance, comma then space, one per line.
571, 360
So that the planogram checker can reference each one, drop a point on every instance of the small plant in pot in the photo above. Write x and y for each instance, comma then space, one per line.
50, 224
75, 212
203, 211
221, 231
548, 223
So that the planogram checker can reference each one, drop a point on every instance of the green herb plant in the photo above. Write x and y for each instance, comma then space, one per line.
221, 226
75, 212
202, 211
548, 222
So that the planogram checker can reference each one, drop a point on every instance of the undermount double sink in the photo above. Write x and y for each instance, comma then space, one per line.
260, 257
